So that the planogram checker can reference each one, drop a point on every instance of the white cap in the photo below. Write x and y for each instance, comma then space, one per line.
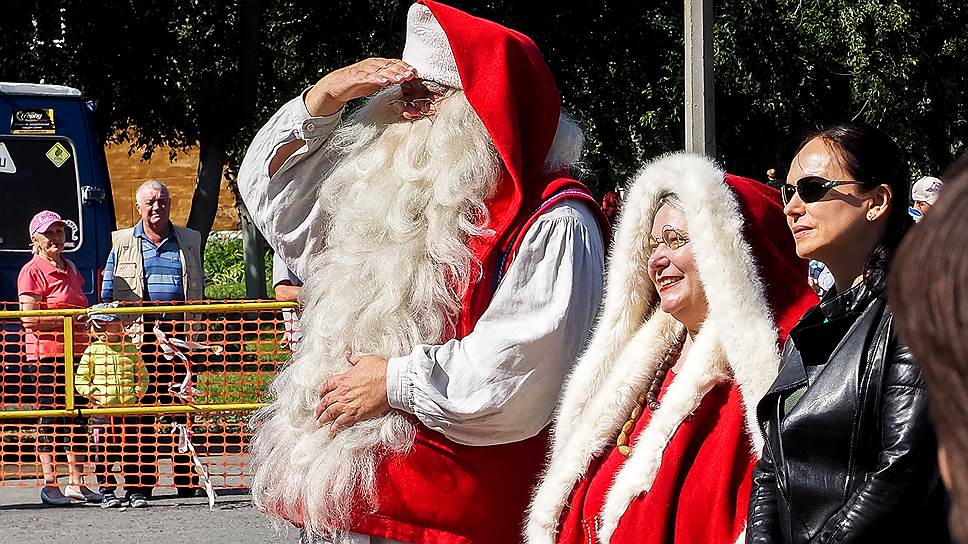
926, 189
428, 50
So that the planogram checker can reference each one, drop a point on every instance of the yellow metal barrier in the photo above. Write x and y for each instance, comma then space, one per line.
186, 404
68, 356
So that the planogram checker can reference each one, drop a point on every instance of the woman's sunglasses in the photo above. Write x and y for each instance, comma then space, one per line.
811, 188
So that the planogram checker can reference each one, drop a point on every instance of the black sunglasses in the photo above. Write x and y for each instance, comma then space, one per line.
811, 188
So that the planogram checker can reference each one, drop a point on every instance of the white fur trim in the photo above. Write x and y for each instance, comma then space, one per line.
737, 341
427, 48
680, 400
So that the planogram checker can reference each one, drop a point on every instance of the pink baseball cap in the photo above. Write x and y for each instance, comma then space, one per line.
45, 220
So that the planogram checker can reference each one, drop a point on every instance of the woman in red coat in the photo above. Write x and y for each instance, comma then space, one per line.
656, 436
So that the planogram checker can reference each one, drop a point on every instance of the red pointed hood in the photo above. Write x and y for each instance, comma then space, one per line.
774, 251
754, 282
510, 87
512, 90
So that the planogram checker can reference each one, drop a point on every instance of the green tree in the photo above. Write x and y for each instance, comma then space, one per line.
177, 73
785, 67
186, 72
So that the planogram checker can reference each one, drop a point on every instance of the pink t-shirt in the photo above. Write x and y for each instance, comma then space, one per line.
56, 289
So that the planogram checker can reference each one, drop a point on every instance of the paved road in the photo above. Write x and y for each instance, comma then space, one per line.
168, 520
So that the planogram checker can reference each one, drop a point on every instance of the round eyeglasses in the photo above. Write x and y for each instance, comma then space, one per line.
672, 238
425, 106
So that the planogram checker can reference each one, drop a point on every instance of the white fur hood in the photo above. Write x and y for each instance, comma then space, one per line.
738, 339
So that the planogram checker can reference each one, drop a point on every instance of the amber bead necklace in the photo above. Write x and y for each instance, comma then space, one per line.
651, 397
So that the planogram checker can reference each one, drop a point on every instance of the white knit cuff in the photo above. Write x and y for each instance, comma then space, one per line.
428, 50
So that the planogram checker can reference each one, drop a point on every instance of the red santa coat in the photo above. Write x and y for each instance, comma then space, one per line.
708, 462
687, 477
442, 492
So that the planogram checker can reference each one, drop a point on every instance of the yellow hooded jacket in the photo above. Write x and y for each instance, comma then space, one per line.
110, 376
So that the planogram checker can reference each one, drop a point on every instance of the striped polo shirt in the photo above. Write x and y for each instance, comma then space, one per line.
162, 268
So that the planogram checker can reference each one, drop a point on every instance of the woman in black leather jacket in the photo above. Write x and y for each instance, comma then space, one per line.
850, 454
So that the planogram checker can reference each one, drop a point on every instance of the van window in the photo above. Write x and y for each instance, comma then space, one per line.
37, 173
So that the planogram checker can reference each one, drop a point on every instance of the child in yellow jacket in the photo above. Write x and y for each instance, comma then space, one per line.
111, 374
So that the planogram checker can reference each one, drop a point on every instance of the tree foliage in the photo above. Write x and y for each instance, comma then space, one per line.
172, 72
785, 67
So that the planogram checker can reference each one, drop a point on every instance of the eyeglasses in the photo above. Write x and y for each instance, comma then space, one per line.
426, 106
672, 238
811, 188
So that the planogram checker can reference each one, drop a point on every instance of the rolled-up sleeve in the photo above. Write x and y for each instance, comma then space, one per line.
501, 382
284, 206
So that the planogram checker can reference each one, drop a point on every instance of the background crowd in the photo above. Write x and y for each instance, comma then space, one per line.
152, 262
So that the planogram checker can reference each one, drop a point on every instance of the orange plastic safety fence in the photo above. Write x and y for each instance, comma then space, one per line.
162, 400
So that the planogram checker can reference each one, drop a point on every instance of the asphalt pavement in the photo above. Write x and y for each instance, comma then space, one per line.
167, 520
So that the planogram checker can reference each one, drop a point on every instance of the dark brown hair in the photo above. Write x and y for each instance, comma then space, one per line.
872, 157
929, 296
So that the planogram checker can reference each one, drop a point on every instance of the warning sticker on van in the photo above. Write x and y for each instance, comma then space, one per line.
20, 199
6, 161
32, 121
58, 154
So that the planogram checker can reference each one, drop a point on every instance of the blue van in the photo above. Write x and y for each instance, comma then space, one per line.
51, 158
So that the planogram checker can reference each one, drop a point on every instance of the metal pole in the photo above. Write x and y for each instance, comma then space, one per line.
700, 93
254, 249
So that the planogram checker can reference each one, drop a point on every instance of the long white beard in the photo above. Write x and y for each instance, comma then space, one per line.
403, 199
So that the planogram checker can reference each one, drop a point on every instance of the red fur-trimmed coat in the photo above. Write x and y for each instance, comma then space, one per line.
686, 480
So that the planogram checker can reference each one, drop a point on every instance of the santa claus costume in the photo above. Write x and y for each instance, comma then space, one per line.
459, 247
679, 471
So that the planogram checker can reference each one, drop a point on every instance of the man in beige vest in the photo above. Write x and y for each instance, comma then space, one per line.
155, 261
